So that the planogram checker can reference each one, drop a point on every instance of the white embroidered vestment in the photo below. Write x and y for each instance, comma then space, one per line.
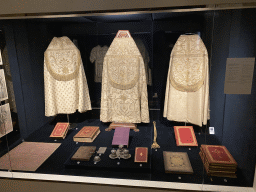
66, 88
187, 88
124, 96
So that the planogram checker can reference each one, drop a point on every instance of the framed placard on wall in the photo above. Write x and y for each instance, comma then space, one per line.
239, 75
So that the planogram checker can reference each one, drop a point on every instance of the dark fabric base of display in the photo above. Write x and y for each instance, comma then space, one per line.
166, 139
110, 164
59, 162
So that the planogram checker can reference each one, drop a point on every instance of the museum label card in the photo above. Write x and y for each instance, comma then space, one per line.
239, 75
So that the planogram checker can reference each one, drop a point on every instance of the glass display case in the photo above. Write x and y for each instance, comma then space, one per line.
190, 91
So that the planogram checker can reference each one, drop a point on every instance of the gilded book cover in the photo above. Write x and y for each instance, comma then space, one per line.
177, 162
185, 136
216, 169
218, 154
84, 153
87, 134
60, 131
87, 131
220, 167
141, 155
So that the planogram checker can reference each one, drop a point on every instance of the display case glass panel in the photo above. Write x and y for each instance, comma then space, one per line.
189, 62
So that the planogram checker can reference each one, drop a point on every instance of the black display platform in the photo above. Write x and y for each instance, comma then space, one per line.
109, 164
59, 162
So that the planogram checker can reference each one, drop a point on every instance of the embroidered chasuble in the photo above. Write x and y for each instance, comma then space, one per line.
124, 96
187, 87
97, 55
65, 84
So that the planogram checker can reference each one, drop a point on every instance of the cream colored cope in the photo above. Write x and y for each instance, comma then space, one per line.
65, 84
124, 95
187, 87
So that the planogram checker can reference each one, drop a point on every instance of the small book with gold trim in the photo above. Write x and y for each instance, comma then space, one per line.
141, 155
60, 131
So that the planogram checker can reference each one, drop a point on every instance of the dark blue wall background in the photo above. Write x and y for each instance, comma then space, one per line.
240, 110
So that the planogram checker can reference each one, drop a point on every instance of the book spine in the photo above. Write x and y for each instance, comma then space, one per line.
176, 136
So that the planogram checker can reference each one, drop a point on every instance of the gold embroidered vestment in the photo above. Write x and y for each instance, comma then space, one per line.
187, 87
124, 95
66, 88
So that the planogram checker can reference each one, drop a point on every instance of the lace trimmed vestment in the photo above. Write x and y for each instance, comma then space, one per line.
97, 55
124, 95
187, 88
66, 88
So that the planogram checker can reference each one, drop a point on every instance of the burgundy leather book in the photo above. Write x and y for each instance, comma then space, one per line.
141, 155
121, 136
185, 136
218, 154
60, 131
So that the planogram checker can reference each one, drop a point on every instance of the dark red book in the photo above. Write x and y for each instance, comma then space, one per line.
121, 136
141, 155
218, 154
185, 136
60, 131
218, 171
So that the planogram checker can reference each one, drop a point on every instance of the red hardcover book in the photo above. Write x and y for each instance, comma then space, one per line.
87, 134
185, 136
60, 131
141, 155
217, 172
218, 154
220, 167
87, 131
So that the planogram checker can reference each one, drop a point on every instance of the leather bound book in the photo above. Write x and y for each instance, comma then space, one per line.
215, 168
87, 134
220, 167
218, 154
84, 153
177, 162
60, 131
185, 136
141, 155
121, 136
